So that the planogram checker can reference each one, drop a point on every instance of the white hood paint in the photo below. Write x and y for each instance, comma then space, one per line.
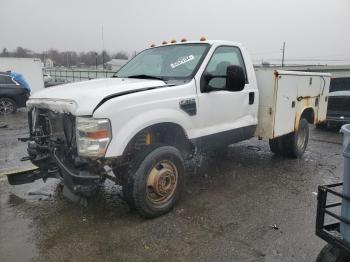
81, 98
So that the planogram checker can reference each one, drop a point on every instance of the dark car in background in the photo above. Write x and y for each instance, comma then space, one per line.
12, 94
338, 112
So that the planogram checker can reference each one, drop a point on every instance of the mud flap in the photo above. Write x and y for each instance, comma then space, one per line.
26, 176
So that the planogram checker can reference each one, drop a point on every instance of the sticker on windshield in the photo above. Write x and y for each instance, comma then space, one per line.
182, 61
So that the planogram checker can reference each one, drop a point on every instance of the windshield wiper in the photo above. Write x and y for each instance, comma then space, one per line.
147, 77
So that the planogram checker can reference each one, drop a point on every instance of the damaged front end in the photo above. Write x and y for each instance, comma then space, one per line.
66, 147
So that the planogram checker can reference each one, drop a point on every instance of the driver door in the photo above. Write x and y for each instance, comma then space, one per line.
224, 116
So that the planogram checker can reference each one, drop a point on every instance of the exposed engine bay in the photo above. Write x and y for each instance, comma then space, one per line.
52, 148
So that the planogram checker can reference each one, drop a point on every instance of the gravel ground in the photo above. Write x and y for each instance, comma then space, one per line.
227, 213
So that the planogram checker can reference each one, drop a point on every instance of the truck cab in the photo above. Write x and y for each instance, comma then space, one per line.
164, 106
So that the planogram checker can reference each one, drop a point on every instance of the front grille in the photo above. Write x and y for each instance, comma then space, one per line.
57, 126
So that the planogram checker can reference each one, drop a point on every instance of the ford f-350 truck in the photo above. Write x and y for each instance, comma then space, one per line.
166, 105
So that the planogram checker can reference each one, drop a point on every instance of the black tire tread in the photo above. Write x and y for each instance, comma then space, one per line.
286, 145
133, 196
13, 102
329, 253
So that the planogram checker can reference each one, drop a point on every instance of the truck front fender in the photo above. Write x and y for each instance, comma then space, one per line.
123, 132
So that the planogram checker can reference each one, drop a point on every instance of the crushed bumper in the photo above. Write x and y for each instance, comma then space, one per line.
78, 182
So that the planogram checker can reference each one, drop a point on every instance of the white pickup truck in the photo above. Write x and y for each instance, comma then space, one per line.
164, 106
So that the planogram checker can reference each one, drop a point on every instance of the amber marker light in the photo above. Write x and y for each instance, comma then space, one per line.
98, 134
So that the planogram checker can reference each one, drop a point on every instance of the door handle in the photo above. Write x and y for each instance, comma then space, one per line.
251, 98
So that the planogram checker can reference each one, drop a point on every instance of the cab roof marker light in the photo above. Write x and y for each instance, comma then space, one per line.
173, 41
183, 40
164, 43
202, 39
152, 45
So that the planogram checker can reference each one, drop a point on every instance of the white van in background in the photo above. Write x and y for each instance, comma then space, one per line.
30, 68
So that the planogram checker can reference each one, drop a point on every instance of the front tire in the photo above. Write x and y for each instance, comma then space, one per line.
155, 181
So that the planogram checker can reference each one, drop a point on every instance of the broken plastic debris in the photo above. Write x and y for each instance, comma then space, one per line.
275, 227
3, 125
37, 193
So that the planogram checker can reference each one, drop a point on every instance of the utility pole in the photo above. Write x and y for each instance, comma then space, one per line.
96, 56
283, 50
103, 49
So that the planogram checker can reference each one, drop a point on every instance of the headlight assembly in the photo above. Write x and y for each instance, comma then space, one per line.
93, 136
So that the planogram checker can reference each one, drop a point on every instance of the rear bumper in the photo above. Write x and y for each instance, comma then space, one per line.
338, 119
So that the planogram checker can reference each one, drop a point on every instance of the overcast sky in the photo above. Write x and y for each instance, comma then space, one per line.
318, 29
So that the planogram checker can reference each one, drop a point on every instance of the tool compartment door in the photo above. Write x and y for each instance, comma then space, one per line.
285, 105
323, 101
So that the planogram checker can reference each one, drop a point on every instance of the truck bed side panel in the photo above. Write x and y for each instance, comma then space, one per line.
284, 95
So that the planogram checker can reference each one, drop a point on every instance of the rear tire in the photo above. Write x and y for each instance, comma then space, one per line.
7, 106
330, 253
275, 145
294, 144
155, 180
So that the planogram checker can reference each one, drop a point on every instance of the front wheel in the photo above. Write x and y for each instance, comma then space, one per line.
155, 181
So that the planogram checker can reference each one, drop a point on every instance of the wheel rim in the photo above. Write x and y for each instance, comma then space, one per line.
301, 137
6, 107
162, 182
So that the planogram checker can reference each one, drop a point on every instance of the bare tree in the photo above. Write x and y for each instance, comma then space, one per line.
4, 53
121, 55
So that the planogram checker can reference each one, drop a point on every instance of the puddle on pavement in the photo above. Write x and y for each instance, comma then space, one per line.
16, 232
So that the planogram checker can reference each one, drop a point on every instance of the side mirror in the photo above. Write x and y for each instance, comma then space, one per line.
235, 78
206, 78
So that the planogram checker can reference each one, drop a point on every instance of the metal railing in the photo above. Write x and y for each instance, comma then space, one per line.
63, 75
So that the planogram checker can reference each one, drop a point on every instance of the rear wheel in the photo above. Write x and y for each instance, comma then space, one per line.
7, 106
275, 145
293, 144
331, 254
154, 181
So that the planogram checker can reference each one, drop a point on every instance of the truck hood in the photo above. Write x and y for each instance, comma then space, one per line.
81, 98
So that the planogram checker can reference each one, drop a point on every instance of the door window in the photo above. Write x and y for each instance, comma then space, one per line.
6, 80
223, 57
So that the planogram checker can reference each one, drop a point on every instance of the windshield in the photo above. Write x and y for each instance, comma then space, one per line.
340, 84
165, 62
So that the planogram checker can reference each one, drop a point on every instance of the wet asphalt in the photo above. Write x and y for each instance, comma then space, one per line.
245, 205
